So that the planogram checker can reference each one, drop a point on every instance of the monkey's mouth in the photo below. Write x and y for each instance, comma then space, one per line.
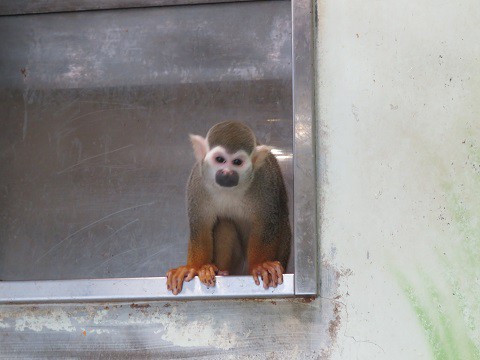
226, 178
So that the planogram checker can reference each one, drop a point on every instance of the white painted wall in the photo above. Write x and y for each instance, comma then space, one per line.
398, 89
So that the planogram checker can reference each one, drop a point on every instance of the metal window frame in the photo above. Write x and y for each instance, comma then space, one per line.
303, 282
23, 7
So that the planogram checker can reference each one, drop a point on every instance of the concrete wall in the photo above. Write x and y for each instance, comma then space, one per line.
398, 108
399, 112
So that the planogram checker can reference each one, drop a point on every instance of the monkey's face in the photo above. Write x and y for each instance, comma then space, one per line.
227, 170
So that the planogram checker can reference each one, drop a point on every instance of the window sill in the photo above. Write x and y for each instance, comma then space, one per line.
136, 289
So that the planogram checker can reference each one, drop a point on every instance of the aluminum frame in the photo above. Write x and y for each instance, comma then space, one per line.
302, 283
22, 7
136, 289
304, 159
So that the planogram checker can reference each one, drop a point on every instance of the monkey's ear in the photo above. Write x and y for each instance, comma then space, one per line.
260, 154
200, 146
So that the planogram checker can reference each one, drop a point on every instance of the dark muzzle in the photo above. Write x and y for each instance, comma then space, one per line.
226, 178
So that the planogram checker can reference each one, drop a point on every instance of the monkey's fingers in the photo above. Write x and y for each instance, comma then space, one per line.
169, 278
211, 272
276, 272
265, 277
177, 281
211, 276
178, 278
280, 271
206, 274
263, 272
255, 274
191, 274
272, 274
201, 275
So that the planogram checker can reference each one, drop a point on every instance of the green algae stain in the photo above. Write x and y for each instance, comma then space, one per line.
447, 304
444, 329
463, 198
424, 316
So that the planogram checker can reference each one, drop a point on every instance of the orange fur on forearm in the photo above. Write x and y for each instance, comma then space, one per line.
200, 250
260, 252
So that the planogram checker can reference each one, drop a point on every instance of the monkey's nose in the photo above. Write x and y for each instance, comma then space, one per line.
227, 178
227, 172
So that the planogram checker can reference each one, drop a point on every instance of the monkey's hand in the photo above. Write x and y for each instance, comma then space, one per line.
176, 277
207, 273
271, 273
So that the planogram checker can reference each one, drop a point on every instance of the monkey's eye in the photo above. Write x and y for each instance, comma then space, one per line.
220, 159
237, 162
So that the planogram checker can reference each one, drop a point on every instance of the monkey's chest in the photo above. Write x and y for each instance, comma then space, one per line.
232, 206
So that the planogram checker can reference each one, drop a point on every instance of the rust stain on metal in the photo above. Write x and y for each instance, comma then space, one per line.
307, 299
139, 306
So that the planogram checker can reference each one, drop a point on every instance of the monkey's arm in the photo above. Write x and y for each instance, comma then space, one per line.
200, 253
263, 244
200, 245
199, 259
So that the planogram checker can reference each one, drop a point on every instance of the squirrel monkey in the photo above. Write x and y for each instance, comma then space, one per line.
237, 209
